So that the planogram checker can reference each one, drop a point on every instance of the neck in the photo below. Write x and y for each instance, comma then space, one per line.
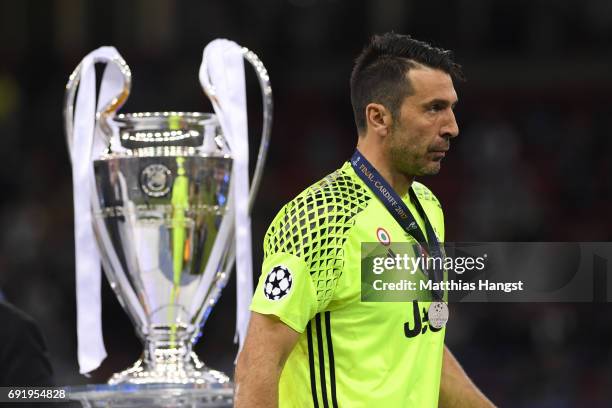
382, 163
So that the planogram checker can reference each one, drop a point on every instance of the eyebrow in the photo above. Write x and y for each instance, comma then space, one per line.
442, 102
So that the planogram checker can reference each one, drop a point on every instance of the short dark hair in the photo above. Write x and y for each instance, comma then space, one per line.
380, 71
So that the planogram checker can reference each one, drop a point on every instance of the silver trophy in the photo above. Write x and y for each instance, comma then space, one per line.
159, 217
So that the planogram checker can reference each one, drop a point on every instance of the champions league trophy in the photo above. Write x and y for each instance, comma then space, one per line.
158, 201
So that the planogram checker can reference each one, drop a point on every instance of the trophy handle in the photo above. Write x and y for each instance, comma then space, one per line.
107, 55
108, 110
228, 258
266, 94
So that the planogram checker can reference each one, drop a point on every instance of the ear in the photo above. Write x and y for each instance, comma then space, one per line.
378, 119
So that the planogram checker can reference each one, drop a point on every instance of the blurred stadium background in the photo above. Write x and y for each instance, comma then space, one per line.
532, 162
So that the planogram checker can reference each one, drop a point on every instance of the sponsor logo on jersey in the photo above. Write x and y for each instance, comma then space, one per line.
418, 325
278, 283
383, 236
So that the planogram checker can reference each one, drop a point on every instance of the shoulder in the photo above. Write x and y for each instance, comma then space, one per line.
15, 320
424, 193
326, 208
432, 208
23, 353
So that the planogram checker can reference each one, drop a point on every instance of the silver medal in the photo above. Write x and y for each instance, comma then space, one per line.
438, 314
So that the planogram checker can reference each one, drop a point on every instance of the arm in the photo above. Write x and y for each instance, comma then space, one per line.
456, 389
266, 348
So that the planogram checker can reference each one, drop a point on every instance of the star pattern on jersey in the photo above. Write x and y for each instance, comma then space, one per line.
278, 283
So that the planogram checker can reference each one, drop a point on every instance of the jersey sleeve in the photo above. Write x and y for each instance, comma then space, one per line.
303, 251
291, 297
285, 288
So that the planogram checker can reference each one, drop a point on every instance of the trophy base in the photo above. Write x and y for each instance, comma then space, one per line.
169, 375
154, 395
189, 370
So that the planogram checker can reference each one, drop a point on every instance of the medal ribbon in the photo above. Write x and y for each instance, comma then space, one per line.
401, 213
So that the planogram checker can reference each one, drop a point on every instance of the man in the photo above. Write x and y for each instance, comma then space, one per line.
311, 341
23, 353
24, 359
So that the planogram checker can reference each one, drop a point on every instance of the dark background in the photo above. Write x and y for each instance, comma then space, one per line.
532, 162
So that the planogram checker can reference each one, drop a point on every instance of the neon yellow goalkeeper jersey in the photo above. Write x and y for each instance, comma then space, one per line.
350, 353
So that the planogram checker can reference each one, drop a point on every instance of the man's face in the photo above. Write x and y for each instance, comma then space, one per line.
420, 137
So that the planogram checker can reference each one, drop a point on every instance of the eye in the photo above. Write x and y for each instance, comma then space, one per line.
436, 107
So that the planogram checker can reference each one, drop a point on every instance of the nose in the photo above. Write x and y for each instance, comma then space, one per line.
450, 129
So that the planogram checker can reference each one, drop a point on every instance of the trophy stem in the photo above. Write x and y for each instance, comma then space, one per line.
168, 358
167, 351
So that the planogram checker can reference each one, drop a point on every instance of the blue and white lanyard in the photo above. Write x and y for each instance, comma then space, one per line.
400, 212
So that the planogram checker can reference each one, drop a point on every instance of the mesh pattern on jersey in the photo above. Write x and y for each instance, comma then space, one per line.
423, 193
314, 227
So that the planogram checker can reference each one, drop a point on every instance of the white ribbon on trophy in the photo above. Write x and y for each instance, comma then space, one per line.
222, 77
87, 141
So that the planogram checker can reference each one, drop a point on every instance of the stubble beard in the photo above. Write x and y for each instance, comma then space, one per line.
406, 161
